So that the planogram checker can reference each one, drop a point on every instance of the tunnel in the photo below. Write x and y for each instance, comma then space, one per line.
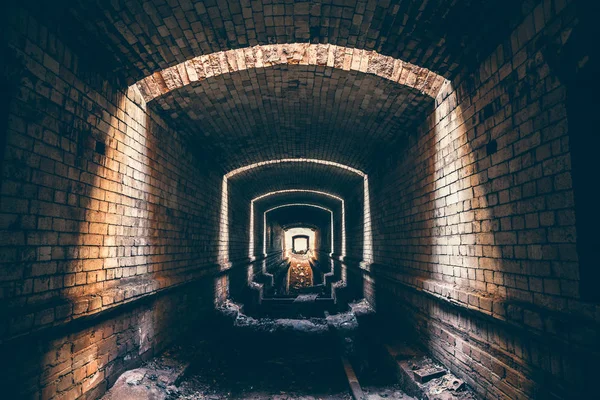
312, 199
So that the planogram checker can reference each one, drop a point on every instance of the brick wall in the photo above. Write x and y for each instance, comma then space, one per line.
474, 225
354, 225
101, 205
239, 215
313, 217
83, 359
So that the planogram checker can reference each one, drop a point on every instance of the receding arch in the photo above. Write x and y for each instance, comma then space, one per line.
306, 238
343, 217
299, 225
223, 255
294, 160
264, 56
297, 205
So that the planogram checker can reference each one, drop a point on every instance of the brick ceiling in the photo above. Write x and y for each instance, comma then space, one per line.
337, 181
293, 111
148, 36
300, 214
296, 198
286, 111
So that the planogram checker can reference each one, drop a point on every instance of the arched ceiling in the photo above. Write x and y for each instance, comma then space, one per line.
265, 56
293, 111
299, 214
278, 199
285, 111
299, 225
258, 181
150, 35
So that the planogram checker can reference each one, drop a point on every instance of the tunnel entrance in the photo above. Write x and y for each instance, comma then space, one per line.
301, 240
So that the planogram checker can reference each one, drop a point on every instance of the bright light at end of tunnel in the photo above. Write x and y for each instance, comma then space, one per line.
223, 257
300, 245
251, 244
293, 205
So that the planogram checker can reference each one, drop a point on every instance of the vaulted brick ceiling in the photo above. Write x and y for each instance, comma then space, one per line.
286, 176
293, 111
300, 214
286, 111
297, 198
148, 36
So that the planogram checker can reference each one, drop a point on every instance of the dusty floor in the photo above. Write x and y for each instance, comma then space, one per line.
213, 374
255, 361
217, 377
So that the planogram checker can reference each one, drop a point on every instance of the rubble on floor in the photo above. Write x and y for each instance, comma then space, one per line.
299, 359
156, 380
393, 392
425, 378
341, 321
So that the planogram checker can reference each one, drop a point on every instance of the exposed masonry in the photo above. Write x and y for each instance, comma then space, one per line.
226, 256
100, 229
106, 214
153, 35
316, 206
299, 197
257, 213
491, 232
296, 175
97, 210
347, 59
242, 117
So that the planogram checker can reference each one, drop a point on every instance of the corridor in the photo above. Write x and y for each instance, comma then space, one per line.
312, 199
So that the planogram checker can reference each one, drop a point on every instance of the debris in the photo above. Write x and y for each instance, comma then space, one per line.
425, 375
306, 298
134, 378
457, 385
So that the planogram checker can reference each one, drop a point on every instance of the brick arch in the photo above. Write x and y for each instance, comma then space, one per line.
309, 205
223, 254
297, 111
299, 225
264, 56
314, 192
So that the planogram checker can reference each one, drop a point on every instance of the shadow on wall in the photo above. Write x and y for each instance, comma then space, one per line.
359, 258
576, 65
108, 220
449, 241
476, 246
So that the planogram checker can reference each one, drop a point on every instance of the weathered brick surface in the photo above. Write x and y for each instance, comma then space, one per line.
84, 360
355, 213
477, 247
152, 35
295, 175
101, 205
323, 55
80, 220
318, 219
297, 198
258, 114
103, 202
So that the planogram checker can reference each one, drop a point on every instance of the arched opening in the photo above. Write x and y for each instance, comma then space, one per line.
155, 154
300, 244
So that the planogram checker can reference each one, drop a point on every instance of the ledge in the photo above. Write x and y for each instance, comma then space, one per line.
59, 312
545, 324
